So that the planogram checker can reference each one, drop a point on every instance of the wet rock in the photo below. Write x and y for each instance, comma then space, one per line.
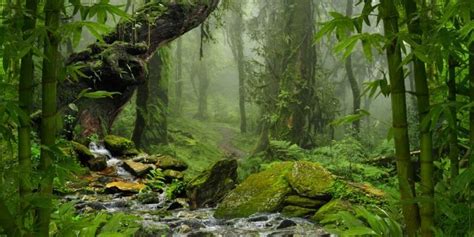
120, 146
201, 234
82, 152
183, 229
295, 200
258, 218
149, 197
136, 169
310, 179
177, 204
296, 211
124, 187
208, 188
285, 224
331, 207
173, 174
152, 230
169, 163
145, 159
259, 193
97, 163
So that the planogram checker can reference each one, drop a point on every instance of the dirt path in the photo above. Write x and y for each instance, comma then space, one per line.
226, 144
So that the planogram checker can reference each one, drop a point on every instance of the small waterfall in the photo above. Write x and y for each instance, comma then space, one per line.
100, 150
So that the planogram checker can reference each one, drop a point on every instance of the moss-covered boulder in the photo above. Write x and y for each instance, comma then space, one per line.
208, 188
169, 163
295, 200
296, 211
310, 179
82, 152
330, 208
260, 192
120, 146
173, 174
124, 187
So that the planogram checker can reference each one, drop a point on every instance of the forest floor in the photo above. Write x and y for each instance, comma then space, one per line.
226, 144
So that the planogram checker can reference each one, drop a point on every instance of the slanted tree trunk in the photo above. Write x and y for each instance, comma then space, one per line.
352, 80
52, 65
389, 15
26, 91
119, 64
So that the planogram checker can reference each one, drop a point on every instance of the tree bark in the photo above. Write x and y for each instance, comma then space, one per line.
426, 140
119, 64
52, 63
389, 14
352, 80
26, 91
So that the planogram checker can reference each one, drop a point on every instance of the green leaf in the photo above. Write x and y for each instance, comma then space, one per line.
358, 231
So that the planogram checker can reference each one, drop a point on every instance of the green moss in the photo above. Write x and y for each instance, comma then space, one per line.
295, 200
119, 145
331, 207
295, 211
310, 179
261, 192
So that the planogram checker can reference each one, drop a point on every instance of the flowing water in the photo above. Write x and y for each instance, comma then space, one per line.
164, 218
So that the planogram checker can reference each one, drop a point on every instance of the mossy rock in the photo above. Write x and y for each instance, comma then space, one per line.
296, 211
169, 163
260, 192
330, 208
82, 152
137, 169
173, 174
310, 179
120, 146
208, 188
295, 200
124, 187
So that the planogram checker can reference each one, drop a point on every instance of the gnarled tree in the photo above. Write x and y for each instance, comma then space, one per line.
118, 64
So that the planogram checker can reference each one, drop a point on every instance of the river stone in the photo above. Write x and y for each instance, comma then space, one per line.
310, 179
296, 211
208, 188
330, 208
82, 152
295, 200
120, 146
137, 169
259, 193
285, 224
173, 174
124, 187
169, 163
97, 163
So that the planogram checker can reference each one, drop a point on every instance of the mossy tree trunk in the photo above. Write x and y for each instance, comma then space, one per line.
152, 106
118, 64
405, 172
52, 65
426, 140
26, 91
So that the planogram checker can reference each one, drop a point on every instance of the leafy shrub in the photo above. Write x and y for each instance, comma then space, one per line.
176, 188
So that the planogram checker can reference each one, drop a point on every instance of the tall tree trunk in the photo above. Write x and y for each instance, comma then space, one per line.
405, 172
303, 30
26, 90
152, 107
426, 141
179, 77
236, 42
453, 133
51, 76
350, 76
203, 89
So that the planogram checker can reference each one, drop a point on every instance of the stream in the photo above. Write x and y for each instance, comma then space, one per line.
162, 217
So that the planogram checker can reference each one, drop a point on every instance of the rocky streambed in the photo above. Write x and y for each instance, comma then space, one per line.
286, 199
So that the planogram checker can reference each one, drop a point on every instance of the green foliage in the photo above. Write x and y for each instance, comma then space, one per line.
176, 188
363, 222
155, 180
